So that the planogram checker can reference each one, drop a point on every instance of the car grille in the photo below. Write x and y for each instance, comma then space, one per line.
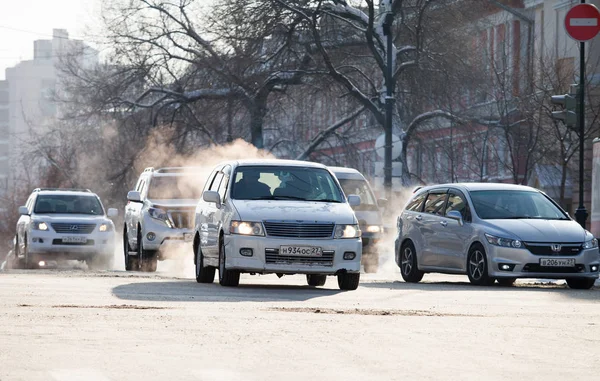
66, 228
299, 229
272, 256
58, 241
536, 268
567, 249
182, 219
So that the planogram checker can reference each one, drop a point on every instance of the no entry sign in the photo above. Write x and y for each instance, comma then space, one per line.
582, 22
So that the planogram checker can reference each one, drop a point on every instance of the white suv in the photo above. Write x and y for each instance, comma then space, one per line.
276, 216
67, 224
159, 216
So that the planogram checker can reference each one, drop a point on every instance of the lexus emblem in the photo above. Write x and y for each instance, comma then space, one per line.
556, 247
74, 227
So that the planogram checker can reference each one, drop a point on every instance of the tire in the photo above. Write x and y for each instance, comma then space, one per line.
131, 263
148, 258
348, 281
370, 262
581, 283
477, 266
18, 263
227, 278
316, 280
203, 274
29, 263
408, 264
506, 282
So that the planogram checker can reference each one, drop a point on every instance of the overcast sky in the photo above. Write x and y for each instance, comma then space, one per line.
23, 21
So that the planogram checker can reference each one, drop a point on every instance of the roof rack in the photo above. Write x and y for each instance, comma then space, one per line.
149, 169
417, 188
62, 189
174, 169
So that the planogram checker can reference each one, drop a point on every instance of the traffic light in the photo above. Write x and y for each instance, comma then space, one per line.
569, 103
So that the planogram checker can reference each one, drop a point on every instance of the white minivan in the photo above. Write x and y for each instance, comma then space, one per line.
368, 213
276, 217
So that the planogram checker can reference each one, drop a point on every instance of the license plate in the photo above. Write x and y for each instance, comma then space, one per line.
74, 239
301, 251
187, 237
554, 262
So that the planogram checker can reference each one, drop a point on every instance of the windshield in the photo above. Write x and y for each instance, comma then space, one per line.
359, 188
285, 183
68, 204
174, 187
511, 204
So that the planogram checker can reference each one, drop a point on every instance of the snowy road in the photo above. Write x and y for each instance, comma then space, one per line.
79, 325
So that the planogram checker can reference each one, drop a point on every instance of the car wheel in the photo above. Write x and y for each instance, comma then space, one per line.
203, 274
148, 258
29, 260
18, 263
408, 264
132, 262
229, 278
581, 283
316, 280
506, 282
348, 281
477, 267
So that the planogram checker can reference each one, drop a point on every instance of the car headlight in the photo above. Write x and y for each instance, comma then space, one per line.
591, 244
246, 228
105, 228
347, 231
161, 215
374, 229
504, 242
40, 225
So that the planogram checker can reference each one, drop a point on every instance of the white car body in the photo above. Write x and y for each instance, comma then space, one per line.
298, 224
146, 238
65, 235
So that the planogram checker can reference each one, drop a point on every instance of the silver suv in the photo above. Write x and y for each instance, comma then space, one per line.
159, 216
64, 224
493, 232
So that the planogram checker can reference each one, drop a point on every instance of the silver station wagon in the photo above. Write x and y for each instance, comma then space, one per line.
493, 232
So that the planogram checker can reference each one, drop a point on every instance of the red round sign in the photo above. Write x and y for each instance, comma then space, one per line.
582, 22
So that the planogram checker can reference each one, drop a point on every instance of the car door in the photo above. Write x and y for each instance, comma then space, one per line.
454, 236
23, 223
132, 213
433, 212
211, 220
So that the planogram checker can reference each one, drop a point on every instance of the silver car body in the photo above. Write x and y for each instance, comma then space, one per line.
553, 249
212, 223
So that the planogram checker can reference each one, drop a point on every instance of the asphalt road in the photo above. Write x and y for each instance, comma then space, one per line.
72, 324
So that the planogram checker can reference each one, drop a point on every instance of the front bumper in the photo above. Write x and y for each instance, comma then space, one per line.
50, 244
524, 264
168, 240
266, 259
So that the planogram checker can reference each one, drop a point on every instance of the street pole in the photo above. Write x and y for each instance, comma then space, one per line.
581, 213
389, 104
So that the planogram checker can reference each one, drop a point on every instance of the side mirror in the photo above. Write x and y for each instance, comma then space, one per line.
212, 196
134, 196
112, 212
23, 211
455, 215
353, 200
382, 202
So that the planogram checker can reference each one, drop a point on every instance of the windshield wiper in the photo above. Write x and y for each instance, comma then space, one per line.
326, 200
276, 198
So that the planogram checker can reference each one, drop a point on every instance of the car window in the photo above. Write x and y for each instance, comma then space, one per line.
415, 204
458, 203
216, 182
360, 188
515, 204
210, 180
223, 187
434, 203
68, 204
285, 183
173, 187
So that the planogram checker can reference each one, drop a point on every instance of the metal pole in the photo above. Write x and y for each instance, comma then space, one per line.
389, 104
581, 213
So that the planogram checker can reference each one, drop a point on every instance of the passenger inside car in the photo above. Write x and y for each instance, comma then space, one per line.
250, 187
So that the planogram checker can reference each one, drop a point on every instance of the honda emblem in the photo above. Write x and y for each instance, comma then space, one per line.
556, 247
